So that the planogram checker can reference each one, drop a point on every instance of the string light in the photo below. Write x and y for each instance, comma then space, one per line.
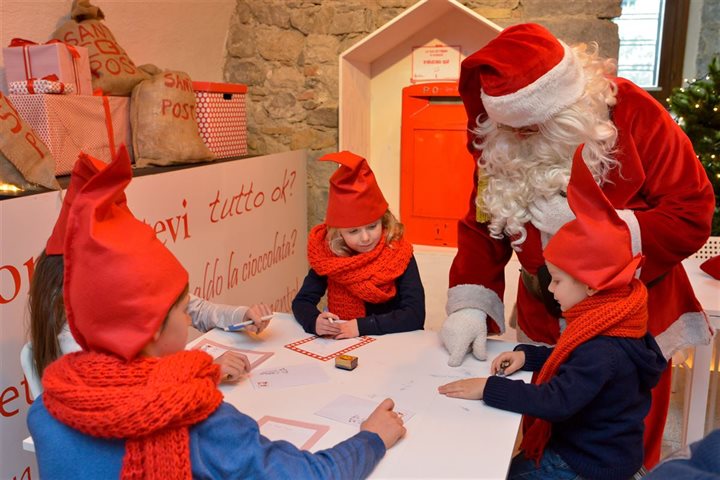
6, 187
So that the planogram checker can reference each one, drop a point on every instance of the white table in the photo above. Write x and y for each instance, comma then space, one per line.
446, 438
707, 290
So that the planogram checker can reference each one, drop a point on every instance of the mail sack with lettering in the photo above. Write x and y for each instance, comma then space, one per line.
25, 161
112, 70
163, 123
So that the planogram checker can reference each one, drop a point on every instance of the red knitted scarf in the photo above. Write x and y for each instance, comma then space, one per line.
619, 312
149, 402
365, 277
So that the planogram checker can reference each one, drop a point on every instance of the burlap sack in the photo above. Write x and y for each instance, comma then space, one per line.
25, 161
162, 120
112, 70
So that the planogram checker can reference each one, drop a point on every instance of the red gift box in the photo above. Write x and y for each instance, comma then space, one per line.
70, 124
221, 117
25, 60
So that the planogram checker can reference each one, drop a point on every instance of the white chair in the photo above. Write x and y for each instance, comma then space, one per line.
28, 366
706, 359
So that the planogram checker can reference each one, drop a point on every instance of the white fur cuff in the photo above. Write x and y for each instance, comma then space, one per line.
476, 296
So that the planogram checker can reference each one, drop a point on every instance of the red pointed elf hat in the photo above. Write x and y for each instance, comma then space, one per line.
522, 77
120, 280
85, 167
596, 247
355, 198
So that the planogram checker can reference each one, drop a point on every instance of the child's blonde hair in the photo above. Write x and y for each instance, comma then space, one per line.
390, 224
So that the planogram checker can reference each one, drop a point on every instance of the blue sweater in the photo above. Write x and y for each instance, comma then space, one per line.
596, 402
699, 461
227, 445
403, 313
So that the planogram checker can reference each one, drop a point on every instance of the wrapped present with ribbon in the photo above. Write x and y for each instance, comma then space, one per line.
69, 124
26, 60
49, 84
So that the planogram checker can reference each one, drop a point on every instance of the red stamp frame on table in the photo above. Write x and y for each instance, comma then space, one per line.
296, 347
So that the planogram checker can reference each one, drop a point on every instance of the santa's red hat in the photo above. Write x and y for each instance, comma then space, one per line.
85, 167
522, 77
594, 248
120, 280
355, 198
712, 267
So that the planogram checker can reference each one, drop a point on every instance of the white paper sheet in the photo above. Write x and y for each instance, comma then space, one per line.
354, 410
301, 434
290, 376
216, 350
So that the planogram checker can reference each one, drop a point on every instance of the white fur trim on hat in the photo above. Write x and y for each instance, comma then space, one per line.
535, 103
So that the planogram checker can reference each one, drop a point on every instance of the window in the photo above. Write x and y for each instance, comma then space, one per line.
652, 44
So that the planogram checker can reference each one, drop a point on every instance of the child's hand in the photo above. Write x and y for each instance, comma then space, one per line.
514, 361
233, 367
348, 329
386, 423
256, 313
470, 388
324, 325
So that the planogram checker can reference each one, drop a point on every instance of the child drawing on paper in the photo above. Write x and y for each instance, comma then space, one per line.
49, 333
359, 256
584, 411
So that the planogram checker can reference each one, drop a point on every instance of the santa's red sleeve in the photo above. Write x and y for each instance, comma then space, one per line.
477, 274
661, 180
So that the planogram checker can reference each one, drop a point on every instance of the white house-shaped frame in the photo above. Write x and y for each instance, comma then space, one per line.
374, 71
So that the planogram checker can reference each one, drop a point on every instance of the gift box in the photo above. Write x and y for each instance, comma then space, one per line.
49, 84
70, 124
221, 117
25, 60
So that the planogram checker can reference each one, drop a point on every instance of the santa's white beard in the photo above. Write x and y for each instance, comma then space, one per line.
521, 169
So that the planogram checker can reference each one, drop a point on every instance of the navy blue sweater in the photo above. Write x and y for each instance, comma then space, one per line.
403, 313
596, 402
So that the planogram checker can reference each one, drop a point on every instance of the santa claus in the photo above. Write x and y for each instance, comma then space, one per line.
531, 100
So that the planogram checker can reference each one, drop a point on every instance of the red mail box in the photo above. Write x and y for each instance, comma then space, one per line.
436, 170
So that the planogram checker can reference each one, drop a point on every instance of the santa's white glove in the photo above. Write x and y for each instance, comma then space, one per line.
462, 329
549, 214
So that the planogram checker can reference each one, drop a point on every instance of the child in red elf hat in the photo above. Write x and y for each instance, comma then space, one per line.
49, 332
361, 259
134, 403
585, 409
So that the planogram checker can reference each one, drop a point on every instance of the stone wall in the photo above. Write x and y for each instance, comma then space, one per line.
287, 52
709, 41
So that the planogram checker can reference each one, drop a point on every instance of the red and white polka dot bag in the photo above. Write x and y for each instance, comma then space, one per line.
221, 117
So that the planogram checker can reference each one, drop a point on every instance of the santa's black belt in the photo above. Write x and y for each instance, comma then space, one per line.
537, 286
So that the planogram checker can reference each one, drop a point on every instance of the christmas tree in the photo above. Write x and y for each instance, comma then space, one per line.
695, 107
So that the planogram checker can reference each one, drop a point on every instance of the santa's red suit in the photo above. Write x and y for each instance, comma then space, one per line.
659, 180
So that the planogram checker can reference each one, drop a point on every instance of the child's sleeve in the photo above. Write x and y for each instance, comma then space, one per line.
535, 356
229, 445
304, 305
207, 315
409, 307
575, 385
